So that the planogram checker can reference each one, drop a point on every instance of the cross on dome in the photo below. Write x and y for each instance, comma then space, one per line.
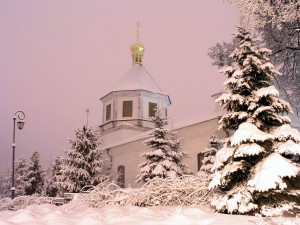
87, 116
138, 25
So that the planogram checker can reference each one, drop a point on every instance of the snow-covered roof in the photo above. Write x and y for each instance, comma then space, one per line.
137, 78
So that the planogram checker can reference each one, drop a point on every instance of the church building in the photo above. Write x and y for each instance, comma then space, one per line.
126, 122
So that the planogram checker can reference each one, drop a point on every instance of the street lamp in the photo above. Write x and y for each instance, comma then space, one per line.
21, 116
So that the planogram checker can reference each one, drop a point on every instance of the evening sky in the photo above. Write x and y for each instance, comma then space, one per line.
58, 58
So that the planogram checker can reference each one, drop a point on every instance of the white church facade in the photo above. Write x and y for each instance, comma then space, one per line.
126, 122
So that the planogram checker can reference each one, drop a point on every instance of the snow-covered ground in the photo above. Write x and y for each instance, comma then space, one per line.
129, 215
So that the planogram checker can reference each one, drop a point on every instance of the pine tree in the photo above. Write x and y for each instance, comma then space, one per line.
206, 171
34, 177
165, 158
51, 186
255, 169
85, 164
21, 169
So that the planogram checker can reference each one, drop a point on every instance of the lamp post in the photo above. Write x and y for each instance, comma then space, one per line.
21, 116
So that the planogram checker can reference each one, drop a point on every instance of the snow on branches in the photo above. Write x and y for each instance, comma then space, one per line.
206, 170
186, 190
259, 12
252, 97
268, 175
34, 178
165, 158
85, 164
277, 22
258, 167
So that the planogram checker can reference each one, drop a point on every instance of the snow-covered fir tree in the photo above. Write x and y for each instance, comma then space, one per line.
51, 186
34, 178
176, 155
255, 169
21, 170
5, 182
206, 172
84, 164
165, 158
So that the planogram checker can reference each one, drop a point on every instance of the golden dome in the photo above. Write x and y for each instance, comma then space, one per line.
137, 48
137, 52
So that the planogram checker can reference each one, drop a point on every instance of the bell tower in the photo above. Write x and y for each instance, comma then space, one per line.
129, 106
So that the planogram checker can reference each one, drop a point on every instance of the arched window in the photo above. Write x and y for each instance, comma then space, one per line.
108, 112
200, 157
121, 176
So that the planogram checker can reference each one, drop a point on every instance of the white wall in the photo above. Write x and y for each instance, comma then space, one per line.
118, 135
195, 136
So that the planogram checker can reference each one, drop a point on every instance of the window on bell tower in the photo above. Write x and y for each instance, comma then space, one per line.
152, 109
108, 112
127, 109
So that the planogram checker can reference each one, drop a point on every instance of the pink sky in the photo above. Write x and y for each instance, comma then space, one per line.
59, 57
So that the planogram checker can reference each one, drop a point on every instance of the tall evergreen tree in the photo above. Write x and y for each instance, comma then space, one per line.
85, 164
21, 170
255, 170
34, 177
206, 170
165, 158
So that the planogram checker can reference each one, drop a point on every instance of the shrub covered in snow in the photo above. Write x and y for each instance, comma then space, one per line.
22, 202
256, 170
181, 191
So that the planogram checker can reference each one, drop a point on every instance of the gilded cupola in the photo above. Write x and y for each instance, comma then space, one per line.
137, 48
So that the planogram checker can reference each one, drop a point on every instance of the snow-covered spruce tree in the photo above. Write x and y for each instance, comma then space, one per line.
255, 169
85, 164
21, 170
5, 182
51, 186
176, 155
206, 171
165, 158
34, 178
